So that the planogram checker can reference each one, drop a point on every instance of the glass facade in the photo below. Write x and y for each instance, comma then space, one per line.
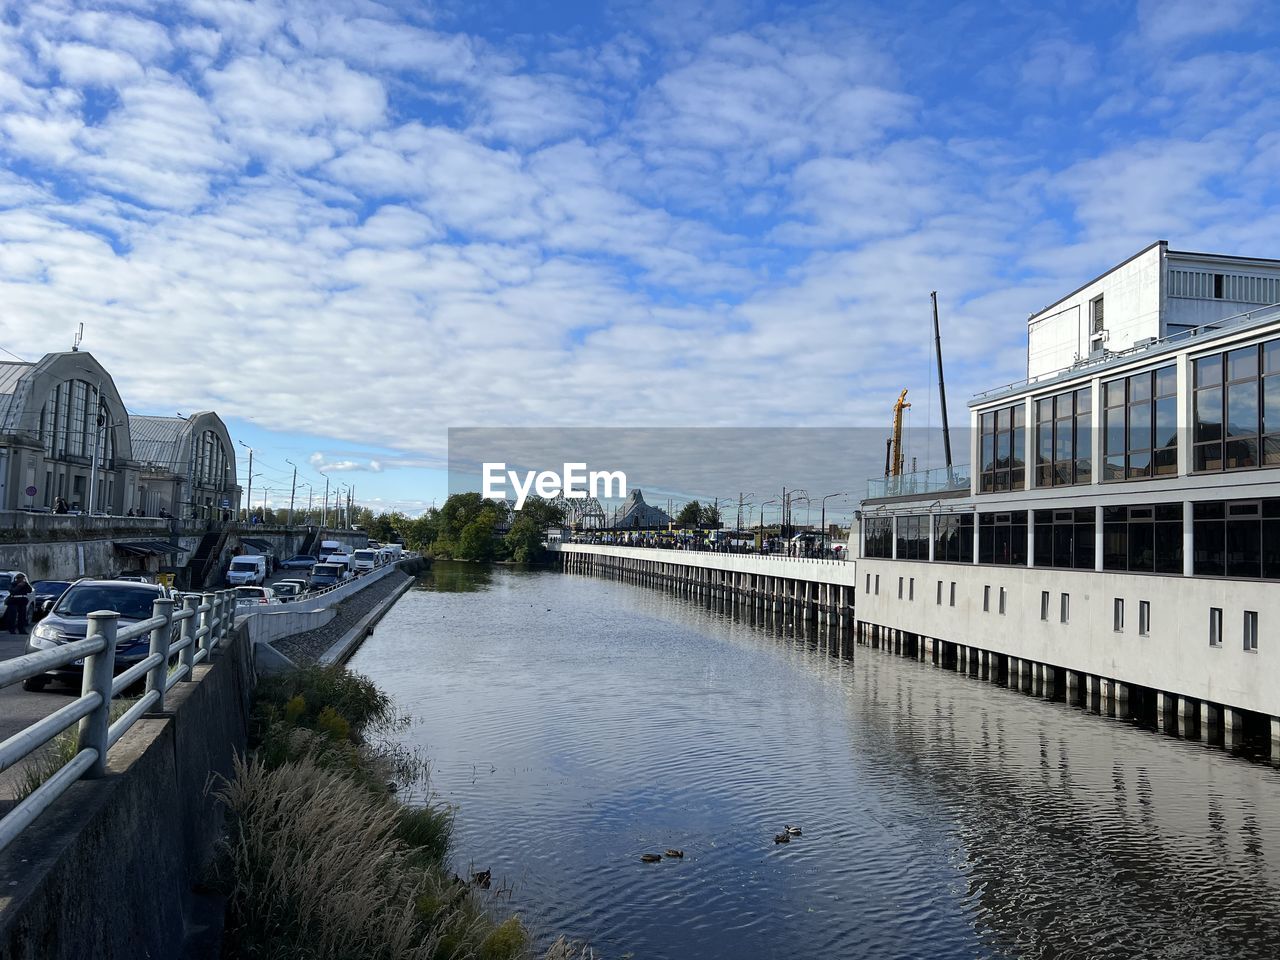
1065, 538
1003, 449
1142, 539
1237, 408
1240, 539
69, 423
1064, 439
953, 538
1140, 425
877, 533
913, 537
1002, 538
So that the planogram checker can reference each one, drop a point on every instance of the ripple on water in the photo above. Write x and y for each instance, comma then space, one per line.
942, 817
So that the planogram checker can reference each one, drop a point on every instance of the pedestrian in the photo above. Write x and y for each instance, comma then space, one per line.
59, 505
15, 613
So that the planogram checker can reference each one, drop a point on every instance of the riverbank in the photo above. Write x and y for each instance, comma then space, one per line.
309, 647
323, 861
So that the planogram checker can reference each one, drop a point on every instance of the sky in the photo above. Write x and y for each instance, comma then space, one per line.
349, 226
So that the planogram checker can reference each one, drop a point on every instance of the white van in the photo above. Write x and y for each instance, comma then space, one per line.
330, 546
249, 570
363, 560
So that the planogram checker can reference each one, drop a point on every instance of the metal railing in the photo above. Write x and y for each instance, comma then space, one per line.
205, 623
673, 555
935, 480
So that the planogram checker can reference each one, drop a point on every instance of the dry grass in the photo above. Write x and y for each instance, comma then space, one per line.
56, 754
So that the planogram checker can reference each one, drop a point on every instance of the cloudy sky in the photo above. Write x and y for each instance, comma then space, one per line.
348, 226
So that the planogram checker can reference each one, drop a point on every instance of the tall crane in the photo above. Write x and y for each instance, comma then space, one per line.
893, 462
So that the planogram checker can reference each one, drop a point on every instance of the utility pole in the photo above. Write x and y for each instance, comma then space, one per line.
942, 387
248, 494
292, 490
324, 514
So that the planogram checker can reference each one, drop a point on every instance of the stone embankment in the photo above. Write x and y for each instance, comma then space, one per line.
309, 647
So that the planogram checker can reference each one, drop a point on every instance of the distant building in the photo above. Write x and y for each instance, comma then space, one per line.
54, 414
188, 468
638, 515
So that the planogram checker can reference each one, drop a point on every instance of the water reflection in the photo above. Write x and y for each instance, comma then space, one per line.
580, 722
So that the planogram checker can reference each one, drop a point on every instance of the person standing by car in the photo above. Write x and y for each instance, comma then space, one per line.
15, 614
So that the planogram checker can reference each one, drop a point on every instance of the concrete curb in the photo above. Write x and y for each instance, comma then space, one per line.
341, 651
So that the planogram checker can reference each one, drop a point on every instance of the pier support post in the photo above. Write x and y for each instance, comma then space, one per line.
1162, 711
1275, 738
1210, 718
1232, 727
1186, 716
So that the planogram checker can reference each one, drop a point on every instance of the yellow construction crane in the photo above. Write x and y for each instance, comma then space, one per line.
893, 453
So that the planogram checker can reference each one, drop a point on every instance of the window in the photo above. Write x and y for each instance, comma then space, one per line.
1140, 425
1003, 595
1002, 538
986, 599
913, 538
1144, 618
1237, 409
877, 537
911, 589
1097, 319
1064, 608
1215, 626
1044, 605
1251, 630
1142, 539
1064, 439
868, 590
953, 593
939, 600
877, 584
1117, 615
900, 588
953, 538
1002, 449
1237, 539
1065, 538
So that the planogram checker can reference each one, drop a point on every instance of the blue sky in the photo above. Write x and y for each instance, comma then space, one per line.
349, 226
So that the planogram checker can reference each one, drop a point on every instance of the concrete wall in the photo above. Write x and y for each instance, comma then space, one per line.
1175, 657
272, 623
66, 560
796, 568
107, 872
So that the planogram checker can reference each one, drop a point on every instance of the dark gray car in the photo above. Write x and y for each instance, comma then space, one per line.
69, 620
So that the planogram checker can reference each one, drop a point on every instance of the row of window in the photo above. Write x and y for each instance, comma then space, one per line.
907, 591
1236, 425
71, 419
1239, 539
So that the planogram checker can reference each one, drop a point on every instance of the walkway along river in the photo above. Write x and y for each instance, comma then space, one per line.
578, 723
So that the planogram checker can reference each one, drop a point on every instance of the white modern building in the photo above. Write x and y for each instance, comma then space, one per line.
1119, 533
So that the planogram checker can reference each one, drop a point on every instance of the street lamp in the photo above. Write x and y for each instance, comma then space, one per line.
293, 490
248, 494
762, 506
824, 519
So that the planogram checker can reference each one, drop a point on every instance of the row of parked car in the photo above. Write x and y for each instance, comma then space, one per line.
254, 569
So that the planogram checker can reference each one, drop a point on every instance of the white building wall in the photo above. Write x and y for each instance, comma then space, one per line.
1175, 658
1059, 335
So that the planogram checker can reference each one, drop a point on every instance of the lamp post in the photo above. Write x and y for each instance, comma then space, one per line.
292, 490
762, 541
248, 494
824, 519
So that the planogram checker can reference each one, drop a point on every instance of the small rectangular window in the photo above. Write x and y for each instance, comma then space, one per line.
877, 584
1044, 605
1064, 611
911, 589
939, 593
986, 599
953, 593
1117, 615
1096, 317
1215, 626
868, 583
1251, 630
1144, 618
900, 588
1003, 595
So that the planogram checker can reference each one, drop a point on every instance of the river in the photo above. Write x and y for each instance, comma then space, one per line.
577, 723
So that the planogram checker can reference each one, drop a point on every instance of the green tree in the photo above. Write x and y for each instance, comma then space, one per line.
523, 542
690, 514
709, 516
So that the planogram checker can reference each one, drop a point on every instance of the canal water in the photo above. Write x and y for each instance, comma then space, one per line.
577, 723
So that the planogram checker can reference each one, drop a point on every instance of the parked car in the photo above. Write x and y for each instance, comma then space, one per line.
68, 620
325, 575
286, 590
44, 593
363, 560
300, 562
247, 570
254, 595
299, 582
